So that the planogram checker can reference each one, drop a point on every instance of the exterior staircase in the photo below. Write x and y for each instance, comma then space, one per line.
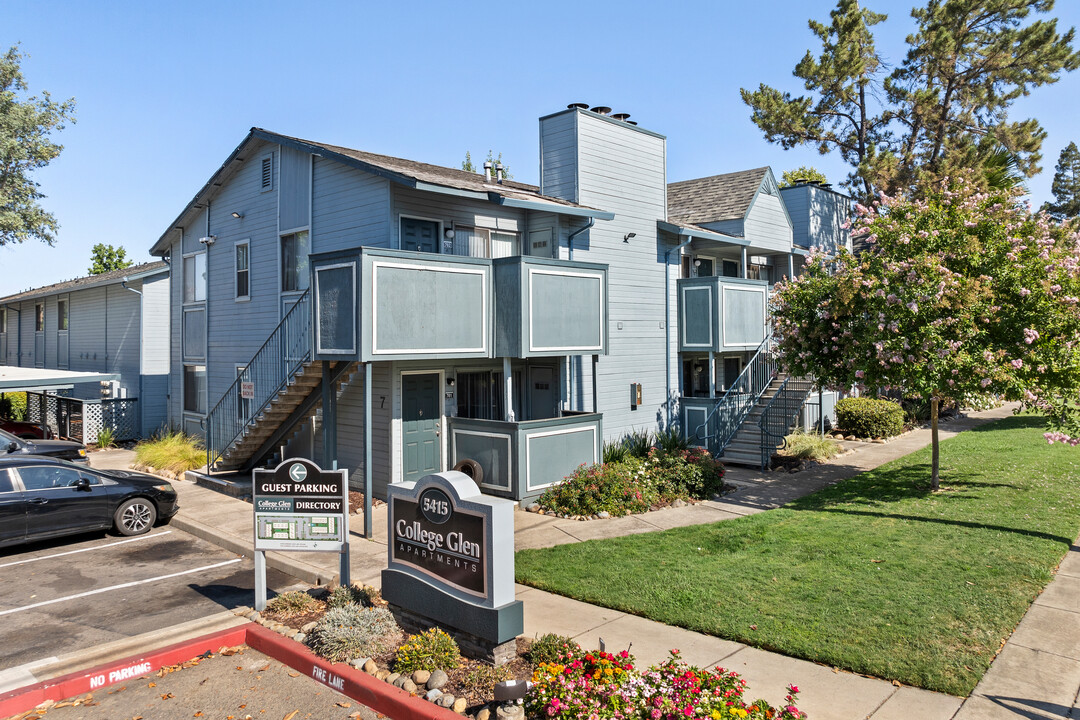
279, 387
745, 446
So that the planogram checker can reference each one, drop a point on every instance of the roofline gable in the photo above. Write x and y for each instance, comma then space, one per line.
783, 206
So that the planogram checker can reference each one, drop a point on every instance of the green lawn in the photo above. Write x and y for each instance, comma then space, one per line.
874, 575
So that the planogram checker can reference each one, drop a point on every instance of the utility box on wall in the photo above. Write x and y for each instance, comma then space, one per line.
635, 396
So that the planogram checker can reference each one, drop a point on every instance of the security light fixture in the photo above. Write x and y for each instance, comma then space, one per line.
450, 382
238, 215
627, 236
448, 233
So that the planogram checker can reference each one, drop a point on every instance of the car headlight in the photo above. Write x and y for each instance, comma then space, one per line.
82, 452
164, 488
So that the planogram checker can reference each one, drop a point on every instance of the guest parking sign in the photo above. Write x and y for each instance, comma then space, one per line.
299, 506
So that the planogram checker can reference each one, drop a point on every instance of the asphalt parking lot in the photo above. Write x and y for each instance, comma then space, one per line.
245, 685
75, 593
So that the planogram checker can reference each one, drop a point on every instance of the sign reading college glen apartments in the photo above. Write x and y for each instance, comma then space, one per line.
451, 556
300, 506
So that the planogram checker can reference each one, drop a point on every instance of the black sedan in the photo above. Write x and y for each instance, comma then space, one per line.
60, 449
43, 497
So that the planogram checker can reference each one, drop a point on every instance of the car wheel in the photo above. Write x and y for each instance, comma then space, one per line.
135, 516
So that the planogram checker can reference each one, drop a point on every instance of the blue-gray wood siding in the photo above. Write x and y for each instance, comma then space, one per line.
622, 170
817, 217
449, 209
767, 226
349, 208
154, 364
294, 208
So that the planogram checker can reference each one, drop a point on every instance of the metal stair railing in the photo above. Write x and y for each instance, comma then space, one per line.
281, 357
731, 410
779, 413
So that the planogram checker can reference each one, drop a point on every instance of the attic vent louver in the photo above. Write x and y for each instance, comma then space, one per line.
267, 182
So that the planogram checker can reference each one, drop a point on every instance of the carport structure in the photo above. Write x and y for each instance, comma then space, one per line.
45, 383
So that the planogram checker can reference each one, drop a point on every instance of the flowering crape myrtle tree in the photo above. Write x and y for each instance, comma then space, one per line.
959, 295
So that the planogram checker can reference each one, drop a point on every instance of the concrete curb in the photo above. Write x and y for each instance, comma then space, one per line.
311, 574
379, 696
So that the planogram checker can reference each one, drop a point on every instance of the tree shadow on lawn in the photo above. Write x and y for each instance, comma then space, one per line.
895, 485
955, 523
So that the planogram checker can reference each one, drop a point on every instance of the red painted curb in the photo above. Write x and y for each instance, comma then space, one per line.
117, 671
356, 684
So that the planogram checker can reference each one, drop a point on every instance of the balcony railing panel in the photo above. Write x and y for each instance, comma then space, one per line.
721, 314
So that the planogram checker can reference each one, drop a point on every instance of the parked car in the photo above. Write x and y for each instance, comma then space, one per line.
25, 430
60, 449
43, 497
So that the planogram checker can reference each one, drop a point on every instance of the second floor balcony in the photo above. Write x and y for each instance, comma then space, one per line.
722, 314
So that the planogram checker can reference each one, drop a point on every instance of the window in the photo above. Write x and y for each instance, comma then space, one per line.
420, 235
703, 267
3, 320
483, 243
195, 389
62, 314
242, 263
480, 395
48, 477
39, 317
731, 268
195, 278
294, 261
194, 333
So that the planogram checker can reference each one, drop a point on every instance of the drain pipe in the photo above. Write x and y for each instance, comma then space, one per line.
571, 236
123, 284
667, 324
570, 246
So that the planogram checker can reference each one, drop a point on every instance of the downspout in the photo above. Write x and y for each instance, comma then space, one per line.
667, 325
570, 247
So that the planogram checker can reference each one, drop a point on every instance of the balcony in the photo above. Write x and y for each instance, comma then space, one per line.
722, 314
373, 304
522, 459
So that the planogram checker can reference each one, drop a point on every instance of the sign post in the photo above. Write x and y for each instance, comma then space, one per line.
299, 507
451, 563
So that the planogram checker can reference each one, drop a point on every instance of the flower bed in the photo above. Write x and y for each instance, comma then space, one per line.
636, 485
568, 682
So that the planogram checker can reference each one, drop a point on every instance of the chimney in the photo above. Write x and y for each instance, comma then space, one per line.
487, 171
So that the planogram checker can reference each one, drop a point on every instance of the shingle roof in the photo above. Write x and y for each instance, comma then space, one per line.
88, 281
714, 198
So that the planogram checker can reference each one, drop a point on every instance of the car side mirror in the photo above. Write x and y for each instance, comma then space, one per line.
12, 447
82, 483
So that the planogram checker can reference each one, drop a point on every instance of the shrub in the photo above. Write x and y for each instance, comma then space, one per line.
171, 450
13, 405
807, 446
615, 452
106, 438
294, 602
867, 417
352, 632
688, 474
362, 595
671, 439
430, 650
616, 488
638, 443
552, 648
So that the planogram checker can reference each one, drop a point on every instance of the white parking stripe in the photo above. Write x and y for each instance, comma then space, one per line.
121, 586
96, 547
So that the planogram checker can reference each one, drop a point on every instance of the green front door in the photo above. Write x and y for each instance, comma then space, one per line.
420, 424
419, 235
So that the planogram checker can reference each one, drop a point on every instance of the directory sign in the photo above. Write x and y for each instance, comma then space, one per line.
300, 506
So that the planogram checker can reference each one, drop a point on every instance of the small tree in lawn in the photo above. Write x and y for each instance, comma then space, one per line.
959, 295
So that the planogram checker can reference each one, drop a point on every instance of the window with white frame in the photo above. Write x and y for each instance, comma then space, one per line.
195, 389
242, 261
195, 277
294, 261
485, 243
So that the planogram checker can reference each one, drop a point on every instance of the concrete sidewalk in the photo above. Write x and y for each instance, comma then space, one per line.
1036, 675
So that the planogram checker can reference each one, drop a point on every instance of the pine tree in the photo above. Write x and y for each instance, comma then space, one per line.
1066, 186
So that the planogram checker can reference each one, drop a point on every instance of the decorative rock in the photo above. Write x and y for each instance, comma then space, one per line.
358, 663
370, 667
445, 700
420, 677
400, 680
292, 633
382, 674
437, 680
678, 502
850, 437
433, 695
308, 627
242, 611
253, 616
510, 712
533, 508
300, 637
409, 686
392, 678
603, 515
459, 706
484, 714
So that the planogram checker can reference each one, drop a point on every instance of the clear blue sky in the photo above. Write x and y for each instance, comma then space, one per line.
166, 90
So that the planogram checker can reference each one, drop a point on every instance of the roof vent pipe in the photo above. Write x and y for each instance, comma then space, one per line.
499, 173
601, 110
577, 106
487, 171
621, 117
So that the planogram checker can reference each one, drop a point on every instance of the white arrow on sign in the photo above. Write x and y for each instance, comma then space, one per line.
298, 472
